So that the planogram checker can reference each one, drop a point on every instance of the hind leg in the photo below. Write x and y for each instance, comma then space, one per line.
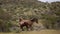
31, 28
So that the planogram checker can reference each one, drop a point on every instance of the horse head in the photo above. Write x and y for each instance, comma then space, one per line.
20, 19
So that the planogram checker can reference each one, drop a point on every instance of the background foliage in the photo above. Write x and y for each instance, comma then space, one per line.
11, 10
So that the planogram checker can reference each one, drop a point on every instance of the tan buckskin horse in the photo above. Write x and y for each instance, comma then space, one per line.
27, 23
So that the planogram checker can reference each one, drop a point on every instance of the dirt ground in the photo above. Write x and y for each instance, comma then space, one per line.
37, 32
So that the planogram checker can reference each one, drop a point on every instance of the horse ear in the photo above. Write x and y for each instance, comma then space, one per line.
20, 19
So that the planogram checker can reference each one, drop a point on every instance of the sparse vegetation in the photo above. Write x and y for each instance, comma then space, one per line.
11, 10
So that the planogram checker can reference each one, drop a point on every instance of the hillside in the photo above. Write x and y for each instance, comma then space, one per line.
11, 10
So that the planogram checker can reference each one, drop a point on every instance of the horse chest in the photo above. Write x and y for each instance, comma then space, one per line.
26, 23
21, 23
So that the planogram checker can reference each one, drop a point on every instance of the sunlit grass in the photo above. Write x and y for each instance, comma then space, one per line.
37, 32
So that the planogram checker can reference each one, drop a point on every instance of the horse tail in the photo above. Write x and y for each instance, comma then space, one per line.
34, 20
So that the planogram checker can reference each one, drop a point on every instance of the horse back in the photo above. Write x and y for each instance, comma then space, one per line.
27, 22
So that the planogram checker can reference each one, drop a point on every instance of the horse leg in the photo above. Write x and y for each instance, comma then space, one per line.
22, 28
31, 28
27, 27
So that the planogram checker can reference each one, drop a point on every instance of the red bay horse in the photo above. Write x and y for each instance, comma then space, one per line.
27, 23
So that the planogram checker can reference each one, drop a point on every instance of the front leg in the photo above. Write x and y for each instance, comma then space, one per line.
22, 27
27, 27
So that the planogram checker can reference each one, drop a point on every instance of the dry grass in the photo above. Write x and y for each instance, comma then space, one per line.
37, 32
